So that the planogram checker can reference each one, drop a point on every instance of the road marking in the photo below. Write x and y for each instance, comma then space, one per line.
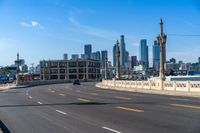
61, 112
49, 89
39, 102
181, 99
78, 91
61, 94
30, 97
94, 94
52, 91
112, 130
124, 98
186, 106
84, 100
130, 109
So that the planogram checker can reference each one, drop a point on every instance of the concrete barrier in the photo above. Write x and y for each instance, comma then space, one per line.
184, 86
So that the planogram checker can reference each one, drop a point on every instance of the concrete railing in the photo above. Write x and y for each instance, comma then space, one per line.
188, 86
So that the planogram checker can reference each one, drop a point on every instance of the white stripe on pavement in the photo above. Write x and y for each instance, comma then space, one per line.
180, 99
112, 130
61, 112
30, 97
39, 102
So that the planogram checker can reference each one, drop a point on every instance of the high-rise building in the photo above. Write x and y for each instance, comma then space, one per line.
84, 56
199, 60
126, 57
133, 61
156, 56
75, 56
98, 55
143, 53
95, 55
172, 60
114, 55
65, 56
88, 50
104, 55
122, 51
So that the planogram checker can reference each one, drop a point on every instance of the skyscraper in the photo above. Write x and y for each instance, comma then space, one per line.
199, 60
65, 56
122, 51
104, 55
143, 53
156, 56
88, 50
114, 55
133, 61
95, 55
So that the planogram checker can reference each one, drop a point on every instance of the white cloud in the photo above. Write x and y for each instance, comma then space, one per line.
32, 24
24, 24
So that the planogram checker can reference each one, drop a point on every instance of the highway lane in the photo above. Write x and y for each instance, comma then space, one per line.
65, 108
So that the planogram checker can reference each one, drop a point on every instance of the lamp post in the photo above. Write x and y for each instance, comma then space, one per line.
161, 40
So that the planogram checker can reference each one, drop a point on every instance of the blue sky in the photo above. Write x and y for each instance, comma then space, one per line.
45, 29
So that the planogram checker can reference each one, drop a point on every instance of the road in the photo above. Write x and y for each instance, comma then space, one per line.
64, 108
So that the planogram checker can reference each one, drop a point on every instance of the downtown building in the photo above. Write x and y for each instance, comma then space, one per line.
81, 69
144, 54
124, 54
156, 56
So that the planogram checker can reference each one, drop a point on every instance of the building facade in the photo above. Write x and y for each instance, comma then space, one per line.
88, 50
70, 69
143, 53
122, 51
104, 55
133, 61
65, 56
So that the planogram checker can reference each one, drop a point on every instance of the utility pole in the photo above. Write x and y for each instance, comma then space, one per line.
161, 39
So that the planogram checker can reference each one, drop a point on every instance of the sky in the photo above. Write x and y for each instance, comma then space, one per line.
45, 29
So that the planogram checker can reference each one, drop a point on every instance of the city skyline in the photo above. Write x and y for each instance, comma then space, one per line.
37, 34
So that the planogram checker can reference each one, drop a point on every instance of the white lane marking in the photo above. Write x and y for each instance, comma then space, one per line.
112, 130
180, 99
39, 102
61, 112
30, 97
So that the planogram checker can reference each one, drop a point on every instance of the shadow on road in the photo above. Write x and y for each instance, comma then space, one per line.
3, 128
76, 103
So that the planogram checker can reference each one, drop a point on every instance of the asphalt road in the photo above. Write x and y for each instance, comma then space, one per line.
64, 108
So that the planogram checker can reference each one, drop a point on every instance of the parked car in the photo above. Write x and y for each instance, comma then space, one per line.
76, 82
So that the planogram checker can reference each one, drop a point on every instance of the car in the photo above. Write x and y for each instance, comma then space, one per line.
76, 82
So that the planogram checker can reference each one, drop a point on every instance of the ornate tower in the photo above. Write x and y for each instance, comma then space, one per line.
117, 54
161, 40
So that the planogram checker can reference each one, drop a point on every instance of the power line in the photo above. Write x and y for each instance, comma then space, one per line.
192, 35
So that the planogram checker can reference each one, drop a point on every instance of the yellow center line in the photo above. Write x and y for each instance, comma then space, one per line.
186, 106
94, 93
84, 100
61, 94
124, 98
130, 109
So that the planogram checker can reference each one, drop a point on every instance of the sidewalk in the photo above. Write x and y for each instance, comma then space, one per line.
6, 86
160, 92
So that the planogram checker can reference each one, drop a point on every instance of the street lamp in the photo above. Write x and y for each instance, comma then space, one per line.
161, 40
